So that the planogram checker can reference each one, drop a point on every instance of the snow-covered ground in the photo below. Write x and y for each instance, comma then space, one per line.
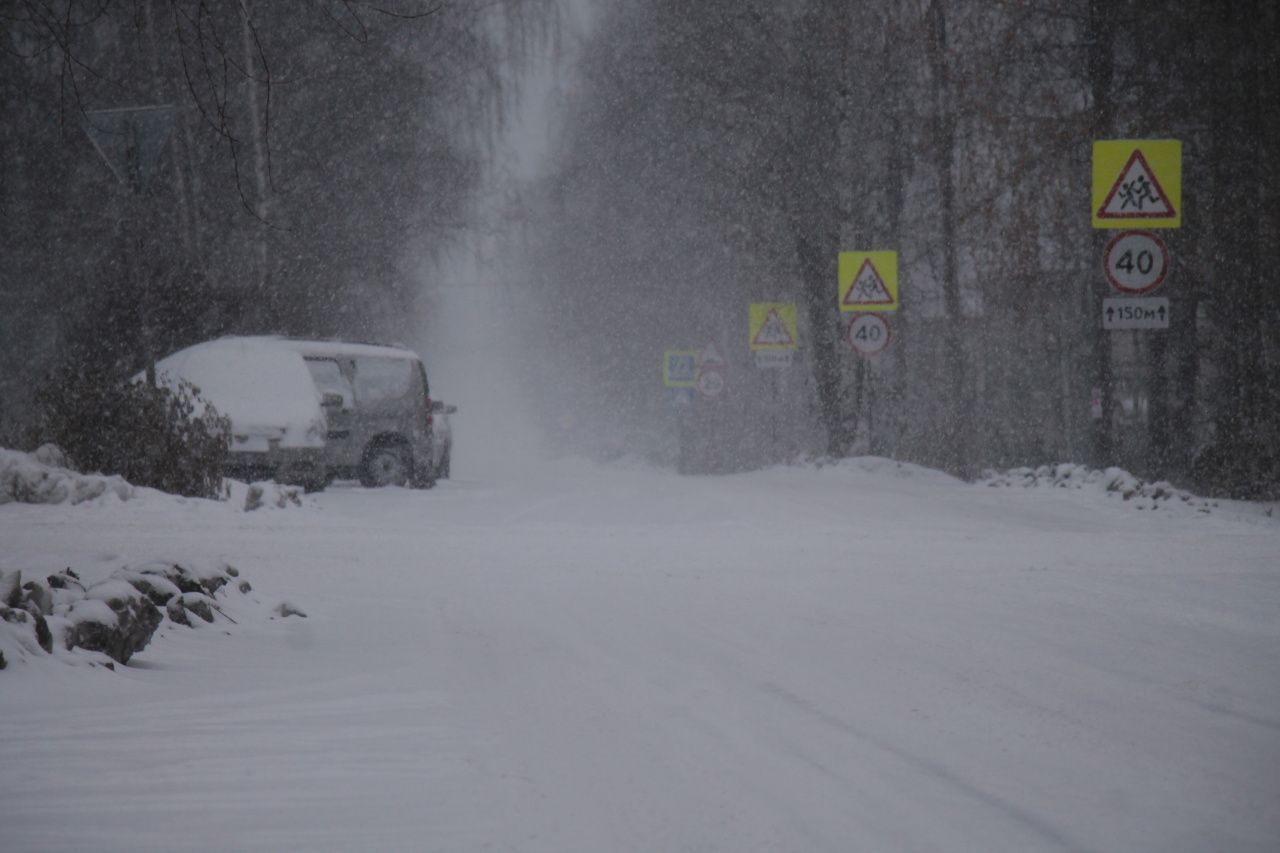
586, 658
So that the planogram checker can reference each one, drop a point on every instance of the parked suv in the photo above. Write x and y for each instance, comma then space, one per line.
307, 412
378, 411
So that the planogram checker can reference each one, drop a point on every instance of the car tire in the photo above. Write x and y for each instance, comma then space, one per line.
386, 464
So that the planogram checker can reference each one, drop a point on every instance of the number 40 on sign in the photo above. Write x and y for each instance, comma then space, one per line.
1136, 262
868, 334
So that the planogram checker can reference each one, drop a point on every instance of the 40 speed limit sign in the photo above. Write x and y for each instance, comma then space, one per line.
1136, 262
868, 334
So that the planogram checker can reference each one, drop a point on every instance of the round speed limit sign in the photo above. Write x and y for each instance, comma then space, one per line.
711, 382
1136, 262
868, 333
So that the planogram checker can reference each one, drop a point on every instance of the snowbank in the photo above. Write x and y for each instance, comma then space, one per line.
1113, 482
25, 478
266, 494
1072, 476
43, 477
882, 466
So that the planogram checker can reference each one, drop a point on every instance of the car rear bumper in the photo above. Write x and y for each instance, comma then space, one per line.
299, 466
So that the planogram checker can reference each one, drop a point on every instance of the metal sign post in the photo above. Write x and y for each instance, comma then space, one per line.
1135, 184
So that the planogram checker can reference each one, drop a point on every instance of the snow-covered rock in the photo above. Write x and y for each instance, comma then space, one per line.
116, 617
117, 621
189, 604
268, 494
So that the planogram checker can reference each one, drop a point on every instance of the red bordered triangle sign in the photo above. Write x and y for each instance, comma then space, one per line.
773, 332
868, 288
710, 356
1137, 193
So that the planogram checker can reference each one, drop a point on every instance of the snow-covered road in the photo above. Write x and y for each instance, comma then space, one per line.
598, 658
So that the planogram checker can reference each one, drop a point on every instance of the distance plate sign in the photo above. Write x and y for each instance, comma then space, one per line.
1136, 262
868, 334
1150, 312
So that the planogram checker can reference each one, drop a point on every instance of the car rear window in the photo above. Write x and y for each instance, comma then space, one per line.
384, 379
327, 376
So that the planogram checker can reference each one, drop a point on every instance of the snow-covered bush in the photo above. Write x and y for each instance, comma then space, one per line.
163, 437
1111, 481
42, 478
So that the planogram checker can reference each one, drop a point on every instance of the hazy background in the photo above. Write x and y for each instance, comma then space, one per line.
542, 196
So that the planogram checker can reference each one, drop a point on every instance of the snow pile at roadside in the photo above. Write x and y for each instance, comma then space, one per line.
42, 478
884, 466
1113, 482
45, 477
67, 618
266, 494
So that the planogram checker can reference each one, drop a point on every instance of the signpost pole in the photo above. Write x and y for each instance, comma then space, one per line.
773, 416
1136, 184
1102, 445
859, 393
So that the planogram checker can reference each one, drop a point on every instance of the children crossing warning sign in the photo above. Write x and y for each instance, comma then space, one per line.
1137, 183
868, 288
773, 333
868, 281
772, 325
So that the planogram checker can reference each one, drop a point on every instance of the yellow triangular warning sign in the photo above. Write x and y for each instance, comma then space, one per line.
773, 332
868, 288
1137, 193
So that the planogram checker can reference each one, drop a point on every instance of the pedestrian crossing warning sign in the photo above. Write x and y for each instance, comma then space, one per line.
1137, 183
868, 281
772, 325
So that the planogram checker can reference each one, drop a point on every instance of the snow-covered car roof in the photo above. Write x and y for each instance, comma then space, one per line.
347, 348
259, 383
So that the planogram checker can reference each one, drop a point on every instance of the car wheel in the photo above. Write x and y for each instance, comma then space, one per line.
386, 465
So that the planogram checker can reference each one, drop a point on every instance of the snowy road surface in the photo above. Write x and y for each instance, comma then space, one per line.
612, 659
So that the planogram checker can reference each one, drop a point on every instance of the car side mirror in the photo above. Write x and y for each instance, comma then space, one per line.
449, 410
331, 400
